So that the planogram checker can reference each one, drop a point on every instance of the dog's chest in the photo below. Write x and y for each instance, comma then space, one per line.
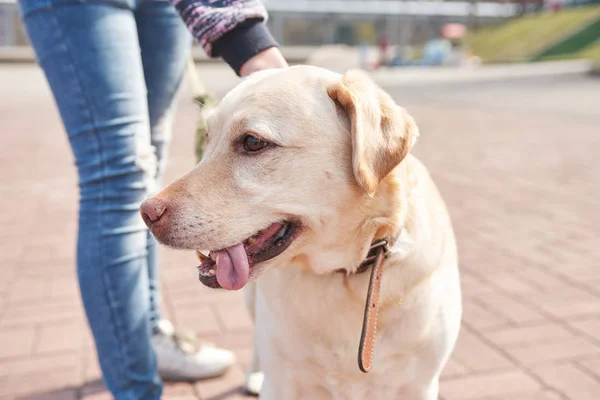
312, 325
314, 310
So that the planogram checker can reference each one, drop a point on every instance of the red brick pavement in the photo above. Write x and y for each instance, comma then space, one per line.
518, 169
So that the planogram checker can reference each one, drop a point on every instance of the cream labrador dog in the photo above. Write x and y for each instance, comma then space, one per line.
305, 173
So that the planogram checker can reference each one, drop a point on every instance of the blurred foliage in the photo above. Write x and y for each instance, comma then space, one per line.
365, 32
206, 101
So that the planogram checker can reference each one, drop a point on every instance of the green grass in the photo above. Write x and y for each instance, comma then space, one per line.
523, 38
592, 53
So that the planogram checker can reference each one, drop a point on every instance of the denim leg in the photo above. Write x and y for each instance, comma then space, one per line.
91, 57
165, 44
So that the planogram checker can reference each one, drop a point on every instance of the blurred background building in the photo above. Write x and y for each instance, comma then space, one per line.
412, 32
318, 22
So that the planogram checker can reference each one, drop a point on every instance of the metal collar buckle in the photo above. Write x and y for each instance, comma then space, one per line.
372, 255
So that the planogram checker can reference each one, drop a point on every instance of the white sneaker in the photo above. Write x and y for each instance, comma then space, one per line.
180, 358
254, 382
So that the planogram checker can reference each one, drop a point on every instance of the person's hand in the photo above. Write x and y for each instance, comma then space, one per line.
269, 58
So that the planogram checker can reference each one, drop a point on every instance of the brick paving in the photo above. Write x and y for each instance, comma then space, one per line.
516, 163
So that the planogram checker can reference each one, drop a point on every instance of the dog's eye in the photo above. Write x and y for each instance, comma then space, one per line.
252, 144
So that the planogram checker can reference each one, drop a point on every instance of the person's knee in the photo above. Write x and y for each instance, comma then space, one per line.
127, 176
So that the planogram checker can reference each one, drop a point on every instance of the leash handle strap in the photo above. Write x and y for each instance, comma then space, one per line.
371, 316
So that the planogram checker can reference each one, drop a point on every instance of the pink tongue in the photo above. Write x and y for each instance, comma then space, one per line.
232, 267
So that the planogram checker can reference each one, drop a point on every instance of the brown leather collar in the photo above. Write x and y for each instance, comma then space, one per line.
377, 254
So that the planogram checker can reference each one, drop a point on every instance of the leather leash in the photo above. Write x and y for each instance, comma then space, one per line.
366, 346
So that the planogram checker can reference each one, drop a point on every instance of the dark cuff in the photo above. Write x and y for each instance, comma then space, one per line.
244, 42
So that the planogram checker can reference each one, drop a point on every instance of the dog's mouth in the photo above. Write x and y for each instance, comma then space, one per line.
232, 267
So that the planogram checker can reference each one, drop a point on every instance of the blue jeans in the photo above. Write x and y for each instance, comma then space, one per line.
114, 67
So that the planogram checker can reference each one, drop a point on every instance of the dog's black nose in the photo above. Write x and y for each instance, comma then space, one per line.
152, 210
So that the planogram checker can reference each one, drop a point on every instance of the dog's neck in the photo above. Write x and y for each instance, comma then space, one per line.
390, 211
347, 246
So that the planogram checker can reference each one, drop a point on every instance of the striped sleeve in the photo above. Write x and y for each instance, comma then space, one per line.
211, 20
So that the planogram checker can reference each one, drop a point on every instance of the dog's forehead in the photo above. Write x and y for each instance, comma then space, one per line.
271, 86
295, 91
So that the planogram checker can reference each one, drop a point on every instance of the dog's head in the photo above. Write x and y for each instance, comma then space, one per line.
292, 171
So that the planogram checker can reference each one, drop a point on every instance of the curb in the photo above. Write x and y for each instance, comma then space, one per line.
16, 55
489, 73
25, 55
405, 76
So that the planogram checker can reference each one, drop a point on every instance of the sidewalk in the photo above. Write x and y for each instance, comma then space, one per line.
517, 163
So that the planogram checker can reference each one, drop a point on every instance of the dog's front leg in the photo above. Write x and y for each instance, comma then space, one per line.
420, 391
254, 376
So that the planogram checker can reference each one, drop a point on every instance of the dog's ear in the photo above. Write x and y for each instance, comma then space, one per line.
382, 132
